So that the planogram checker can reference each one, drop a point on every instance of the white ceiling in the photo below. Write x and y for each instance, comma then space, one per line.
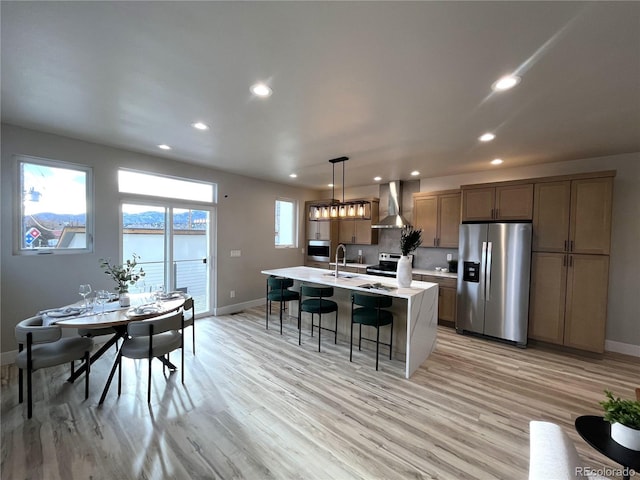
395, 86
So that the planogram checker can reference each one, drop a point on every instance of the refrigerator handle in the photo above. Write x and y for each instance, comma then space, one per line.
487, 283
483, 267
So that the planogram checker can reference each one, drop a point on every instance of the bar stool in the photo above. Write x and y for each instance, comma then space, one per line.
317, 303
278, 291
371, 313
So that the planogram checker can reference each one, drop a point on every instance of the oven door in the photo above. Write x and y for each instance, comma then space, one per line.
380, 273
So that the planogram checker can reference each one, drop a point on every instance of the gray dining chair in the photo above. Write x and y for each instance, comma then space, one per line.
189, 319
153, 338
45, 348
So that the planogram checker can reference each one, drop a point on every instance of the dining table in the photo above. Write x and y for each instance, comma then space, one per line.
141, 307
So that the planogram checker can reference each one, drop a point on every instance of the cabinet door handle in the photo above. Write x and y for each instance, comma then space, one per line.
565, 245
571, 246
492, 210
434, 242
497, 210
564, 260
571, 260
438, 242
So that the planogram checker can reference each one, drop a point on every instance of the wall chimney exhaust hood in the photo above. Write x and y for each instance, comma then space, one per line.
394, 219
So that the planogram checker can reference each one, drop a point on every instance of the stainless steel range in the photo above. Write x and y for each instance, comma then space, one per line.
387, 265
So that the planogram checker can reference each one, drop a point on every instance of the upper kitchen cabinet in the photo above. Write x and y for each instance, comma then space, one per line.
358, 231
438, 215
573, 216
320, 229
507, 201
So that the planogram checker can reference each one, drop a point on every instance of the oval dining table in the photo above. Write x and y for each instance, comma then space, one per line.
118, 319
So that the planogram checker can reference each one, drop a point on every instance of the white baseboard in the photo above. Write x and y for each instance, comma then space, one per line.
619, 347
237, 307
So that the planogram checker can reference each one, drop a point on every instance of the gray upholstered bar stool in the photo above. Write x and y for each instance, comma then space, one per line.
317, 303
371, 312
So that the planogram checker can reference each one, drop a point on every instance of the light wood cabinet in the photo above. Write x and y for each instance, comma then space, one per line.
319, 230
503, 202
359, 232
314, 264
438, 215
590, 225
446, 298
573, 216
568, 303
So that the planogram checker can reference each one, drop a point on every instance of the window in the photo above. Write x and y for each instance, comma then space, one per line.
165, 187
55, 207
285, 223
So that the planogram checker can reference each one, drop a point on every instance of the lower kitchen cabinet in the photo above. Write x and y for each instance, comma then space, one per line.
568, 300
446, 298
314, 264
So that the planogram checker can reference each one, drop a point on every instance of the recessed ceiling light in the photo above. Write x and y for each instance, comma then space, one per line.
415, 173
164, 147
261, 90
487, 137
200, 126
293, 175
377, 179
505, 83
330, 185
496, 161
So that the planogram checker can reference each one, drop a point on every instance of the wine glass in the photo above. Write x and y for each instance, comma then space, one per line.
102, 297
85, 289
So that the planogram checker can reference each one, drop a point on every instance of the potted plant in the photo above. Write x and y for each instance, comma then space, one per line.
624, 416
125, 275
410, 239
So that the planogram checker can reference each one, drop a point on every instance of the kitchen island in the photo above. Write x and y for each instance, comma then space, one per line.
416, 314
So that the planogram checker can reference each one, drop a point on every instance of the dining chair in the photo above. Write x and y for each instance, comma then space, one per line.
317, 302
153, 338
45, 348
278, 291
371, 312
189, 319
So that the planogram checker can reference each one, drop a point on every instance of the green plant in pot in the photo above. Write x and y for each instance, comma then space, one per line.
410, 240
124, 275
624, 416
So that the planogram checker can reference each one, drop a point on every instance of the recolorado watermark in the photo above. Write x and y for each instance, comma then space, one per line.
606, 472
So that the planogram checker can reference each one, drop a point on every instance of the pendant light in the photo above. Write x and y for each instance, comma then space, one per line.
334, 209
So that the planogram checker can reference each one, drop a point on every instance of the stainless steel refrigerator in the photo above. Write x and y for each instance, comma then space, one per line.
494, 262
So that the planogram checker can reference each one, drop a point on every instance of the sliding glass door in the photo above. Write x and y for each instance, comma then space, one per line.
174, 244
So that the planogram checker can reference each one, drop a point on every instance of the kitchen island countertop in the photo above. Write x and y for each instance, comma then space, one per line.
421, 305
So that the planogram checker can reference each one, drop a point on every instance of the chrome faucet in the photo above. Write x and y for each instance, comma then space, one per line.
344, 256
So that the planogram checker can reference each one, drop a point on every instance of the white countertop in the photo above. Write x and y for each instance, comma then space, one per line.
352, 281
435, 273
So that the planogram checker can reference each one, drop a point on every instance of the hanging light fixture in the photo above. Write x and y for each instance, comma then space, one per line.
339, 209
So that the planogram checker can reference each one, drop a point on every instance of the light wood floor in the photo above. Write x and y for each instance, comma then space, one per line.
257, 406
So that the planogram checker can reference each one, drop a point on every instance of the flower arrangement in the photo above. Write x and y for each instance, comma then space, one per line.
125, 275
410, 239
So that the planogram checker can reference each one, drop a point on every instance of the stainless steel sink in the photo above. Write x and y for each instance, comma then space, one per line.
341, 275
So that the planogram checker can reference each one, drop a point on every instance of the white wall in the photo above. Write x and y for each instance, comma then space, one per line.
244, 221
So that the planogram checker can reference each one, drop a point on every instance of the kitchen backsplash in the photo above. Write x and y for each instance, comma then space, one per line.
389, 242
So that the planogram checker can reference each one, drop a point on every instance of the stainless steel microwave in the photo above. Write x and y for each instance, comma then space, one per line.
319, 250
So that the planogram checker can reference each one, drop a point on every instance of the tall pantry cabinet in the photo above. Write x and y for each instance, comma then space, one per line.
570, 261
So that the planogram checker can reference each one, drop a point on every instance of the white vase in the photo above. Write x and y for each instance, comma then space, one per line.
404, 273
625, 436
124, 299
